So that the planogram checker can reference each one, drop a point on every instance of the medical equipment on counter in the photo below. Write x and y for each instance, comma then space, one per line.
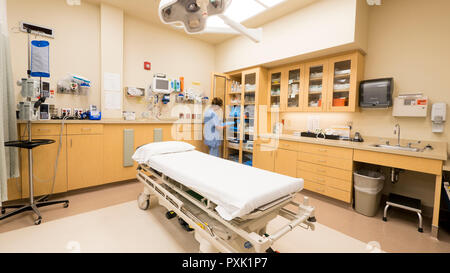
44, 112
410, 105
220, 226
30, 88
161, 84
93, 113
439, 116
193, 15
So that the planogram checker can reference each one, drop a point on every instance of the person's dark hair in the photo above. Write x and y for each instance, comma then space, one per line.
217, 101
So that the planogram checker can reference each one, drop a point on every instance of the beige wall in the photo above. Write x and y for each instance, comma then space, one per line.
322, 25
170, 53
111, 41
406, 41
75, 49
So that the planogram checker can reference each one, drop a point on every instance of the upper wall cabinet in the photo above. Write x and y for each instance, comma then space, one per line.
325, 85
275, 86
345, 74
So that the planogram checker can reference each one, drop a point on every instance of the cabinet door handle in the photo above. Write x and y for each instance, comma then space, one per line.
43, 130
86, 129
322, 161
323, 150
70, 143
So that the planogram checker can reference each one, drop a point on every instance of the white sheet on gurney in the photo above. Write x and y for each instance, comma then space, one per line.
236, 189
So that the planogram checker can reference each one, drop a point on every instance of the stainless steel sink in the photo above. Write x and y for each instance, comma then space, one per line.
396, 147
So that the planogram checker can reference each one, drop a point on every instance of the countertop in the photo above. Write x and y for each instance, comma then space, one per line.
439, 151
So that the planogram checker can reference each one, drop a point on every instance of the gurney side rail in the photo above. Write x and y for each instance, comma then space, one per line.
261, 243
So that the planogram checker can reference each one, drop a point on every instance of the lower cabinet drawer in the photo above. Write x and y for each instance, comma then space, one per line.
339, 194
345, 185
315, 187
344, 164
324, 170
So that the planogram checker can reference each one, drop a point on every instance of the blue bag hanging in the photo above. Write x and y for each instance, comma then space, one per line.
40, 63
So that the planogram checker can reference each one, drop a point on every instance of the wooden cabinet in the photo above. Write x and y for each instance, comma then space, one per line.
264, 157
44, 158
345, 74
91, 154
326, 170
329, 84
286, 162
84, 161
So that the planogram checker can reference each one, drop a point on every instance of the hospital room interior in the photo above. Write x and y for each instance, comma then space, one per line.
224, 126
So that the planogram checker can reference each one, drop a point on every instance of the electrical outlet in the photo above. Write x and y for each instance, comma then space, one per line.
77, 112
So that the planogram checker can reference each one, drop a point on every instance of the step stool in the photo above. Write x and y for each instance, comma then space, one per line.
405, 203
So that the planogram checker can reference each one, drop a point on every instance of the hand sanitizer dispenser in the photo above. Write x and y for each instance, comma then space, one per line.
438, 117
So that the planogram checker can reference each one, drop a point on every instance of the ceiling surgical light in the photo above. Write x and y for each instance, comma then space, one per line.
193, 14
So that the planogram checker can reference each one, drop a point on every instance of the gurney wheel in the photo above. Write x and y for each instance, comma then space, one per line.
143, 201
185, 225
270, 250
170, 215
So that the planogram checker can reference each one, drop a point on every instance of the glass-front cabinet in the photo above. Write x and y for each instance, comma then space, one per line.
241, 106
344, 80
316, 86
249, 116
233, 106
275, 81
292, 95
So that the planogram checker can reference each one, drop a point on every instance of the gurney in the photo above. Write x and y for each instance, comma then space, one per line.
222, 222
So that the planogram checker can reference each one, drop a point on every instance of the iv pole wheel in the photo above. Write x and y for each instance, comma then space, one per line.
66, 205
3, 211
38, 221
143, 201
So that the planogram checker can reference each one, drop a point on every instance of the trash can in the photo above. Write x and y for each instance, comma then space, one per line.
368, 186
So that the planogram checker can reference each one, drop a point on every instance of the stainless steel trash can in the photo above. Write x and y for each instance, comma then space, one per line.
368, 186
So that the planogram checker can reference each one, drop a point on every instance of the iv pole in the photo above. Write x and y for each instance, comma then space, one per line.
30, 144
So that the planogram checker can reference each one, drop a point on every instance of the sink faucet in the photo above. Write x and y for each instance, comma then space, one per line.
397, 131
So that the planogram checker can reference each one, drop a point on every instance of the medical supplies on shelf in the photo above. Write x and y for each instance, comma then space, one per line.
135, 92
236, 87
73, 84
315, 88
250, 87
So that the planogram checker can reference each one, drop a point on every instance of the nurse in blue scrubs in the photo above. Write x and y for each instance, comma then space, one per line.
213, 130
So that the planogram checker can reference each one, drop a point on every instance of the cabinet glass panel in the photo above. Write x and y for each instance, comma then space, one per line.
315, 88
275, 90
293, 89
249, 111
341, 83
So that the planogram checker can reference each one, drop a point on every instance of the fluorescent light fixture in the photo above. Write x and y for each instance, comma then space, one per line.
73, 2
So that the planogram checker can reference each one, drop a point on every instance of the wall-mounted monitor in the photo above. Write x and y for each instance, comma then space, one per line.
376, 93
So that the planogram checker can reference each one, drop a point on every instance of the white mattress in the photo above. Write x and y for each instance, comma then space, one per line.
236, 189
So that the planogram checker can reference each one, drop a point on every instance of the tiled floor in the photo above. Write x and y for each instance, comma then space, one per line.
399, 234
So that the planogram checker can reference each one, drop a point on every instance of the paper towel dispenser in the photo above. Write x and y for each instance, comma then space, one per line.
376, 93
